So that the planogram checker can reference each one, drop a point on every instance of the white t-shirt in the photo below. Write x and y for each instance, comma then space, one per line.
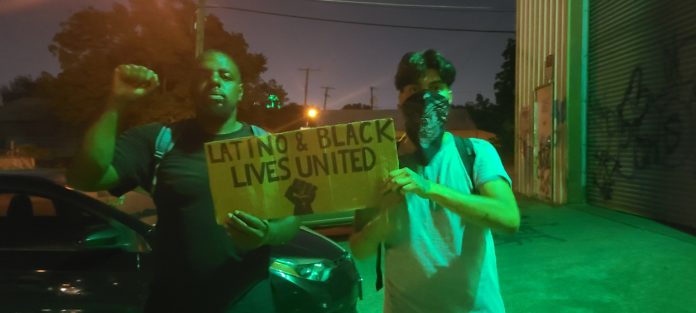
438, 263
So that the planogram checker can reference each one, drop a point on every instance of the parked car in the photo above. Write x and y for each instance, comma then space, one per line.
64, 251
337, 225
139, 204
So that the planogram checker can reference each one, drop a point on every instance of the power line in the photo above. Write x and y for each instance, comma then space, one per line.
492, 31
420, 6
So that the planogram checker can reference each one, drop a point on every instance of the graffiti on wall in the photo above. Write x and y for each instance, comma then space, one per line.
544, 133
649, 128
654, 123
544, 170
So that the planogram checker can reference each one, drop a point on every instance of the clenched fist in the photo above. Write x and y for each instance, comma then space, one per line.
132, 82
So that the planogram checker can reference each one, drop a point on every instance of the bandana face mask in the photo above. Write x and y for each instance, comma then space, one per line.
426, 115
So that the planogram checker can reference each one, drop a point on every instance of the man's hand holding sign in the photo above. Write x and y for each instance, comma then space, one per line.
247, 231
317, 170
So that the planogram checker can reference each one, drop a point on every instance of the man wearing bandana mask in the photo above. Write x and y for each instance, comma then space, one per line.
435, 219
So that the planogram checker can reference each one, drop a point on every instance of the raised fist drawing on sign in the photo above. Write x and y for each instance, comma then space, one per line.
301, 194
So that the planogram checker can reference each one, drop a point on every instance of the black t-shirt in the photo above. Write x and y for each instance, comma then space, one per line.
189, 244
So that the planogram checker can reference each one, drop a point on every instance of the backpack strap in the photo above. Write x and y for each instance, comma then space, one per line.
163, 144
379, 282
468, 156
258, 131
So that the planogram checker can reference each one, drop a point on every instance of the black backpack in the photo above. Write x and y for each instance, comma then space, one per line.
468, 155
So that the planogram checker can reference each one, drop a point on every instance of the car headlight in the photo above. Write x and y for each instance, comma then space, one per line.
306, 268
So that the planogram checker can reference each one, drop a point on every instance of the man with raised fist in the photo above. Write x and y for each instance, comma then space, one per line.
200, 265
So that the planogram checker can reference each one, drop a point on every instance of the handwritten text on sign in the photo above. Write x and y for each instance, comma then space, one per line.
324, 169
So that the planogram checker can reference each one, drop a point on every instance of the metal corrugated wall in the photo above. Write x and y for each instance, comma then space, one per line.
641, 115
541, 31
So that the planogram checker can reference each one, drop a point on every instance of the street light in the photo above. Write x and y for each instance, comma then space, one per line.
312, 114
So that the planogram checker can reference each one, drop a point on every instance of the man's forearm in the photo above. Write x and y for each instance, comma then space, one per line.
481, 210
282, 230
96, 152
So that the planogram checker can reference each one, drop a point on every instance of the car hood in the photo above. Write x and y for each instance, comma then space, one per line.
309, 244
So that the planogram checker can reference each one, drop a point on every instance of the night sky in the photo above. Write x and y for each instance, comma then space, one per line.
350, 58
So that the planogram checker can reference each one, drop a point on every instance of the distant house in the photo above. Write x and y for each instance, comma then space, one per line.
459, 122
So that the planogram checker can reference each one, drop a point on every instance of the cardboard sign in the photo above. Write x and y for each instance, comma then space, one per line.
316, 170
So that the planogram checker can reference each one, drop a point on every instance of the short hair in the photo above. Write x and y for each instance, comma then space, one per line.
208, 52
211, 51
414, 64
224, 53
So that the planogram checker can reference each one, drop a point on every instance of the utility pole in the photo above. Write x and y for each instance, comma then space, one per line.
200, 27
326, 94
372, 97
306, 82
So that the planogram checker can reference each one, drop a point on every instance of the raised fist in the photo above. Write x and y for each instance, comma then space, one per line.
132, 82
301, 194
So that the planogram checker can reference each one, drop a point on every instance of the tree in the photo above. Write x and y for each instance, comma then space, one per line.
24, 86
257, 94
505, 80
289, 117
356, 106
156, 34
505, 99
482, 111
499, 117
